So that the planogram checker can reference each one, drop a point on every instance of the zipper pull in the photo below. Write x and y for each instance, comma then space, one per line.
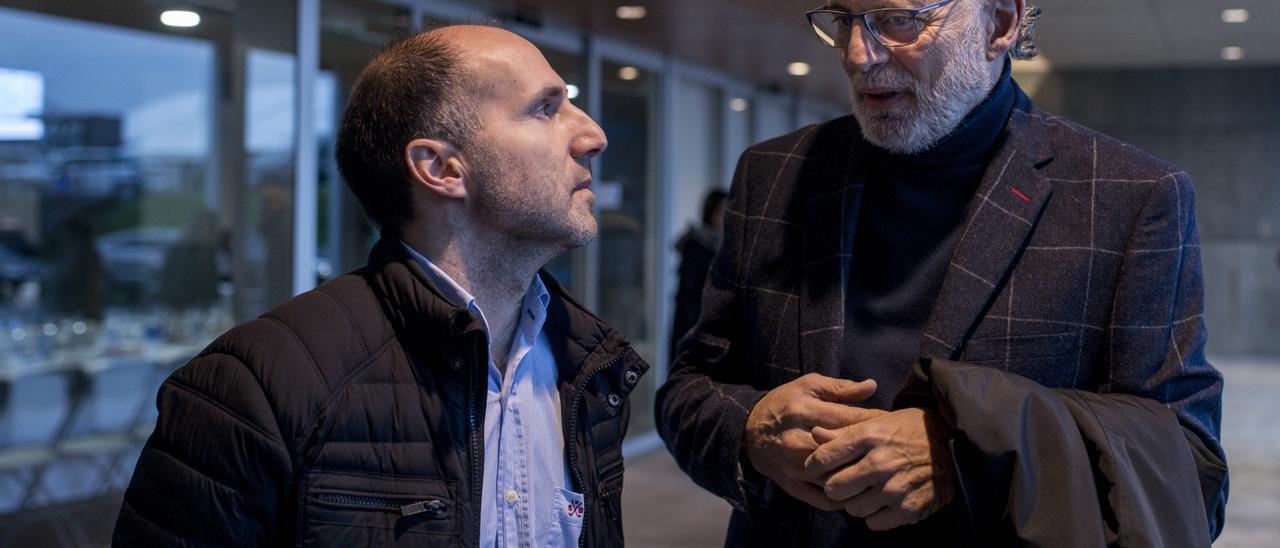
608, 504
433, 508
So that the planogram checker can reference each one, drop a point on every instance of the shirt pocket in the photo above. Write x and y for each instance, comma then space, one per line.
365, 509
566, 519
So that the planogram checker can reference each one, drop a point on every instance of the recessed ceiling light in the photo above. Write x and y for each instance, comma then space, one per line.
572, 91
630, 12
798, 69
1232, 53
1235, 16
628, 73
180, 18
738, 104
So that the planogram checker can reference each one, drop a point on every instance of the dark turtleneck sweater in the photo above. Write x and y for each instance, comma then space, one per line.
910, 219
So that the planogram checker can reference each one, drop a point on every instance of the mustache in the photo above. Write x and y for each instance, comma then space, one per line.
885, 77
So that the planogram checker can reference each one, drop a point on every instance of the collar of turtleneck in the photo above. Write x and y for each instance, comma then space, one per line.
973, 140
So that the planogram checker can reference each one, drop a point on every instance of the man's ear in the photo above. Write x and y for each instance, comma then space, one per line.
1005, 22
436, 166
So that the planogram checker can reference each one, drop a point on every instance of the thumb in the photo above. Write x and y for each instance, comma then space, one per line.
844, 390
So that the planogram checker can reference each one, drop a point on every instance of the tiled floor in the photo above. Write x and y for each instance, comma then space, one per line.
663, 508
1251, 437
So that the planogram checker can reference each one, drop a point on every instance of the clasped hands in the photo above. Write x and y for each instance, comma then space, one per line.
890, 468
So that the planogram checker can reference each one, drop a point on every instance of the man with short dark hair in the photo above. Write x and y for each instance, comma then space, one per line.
1018, 298
449, 393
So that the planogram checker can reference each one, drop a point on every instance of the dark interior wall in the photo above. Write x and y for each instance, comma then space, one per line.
1221, 125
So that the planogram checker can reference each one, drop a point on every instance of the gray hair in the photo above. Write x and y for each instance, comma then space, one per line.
1025, 48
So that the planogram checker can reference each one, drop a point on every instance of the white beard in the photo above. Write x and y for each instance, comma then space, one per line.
935, 111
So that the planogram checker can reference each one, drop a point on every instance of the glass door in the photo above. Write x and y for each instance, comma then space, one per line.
624, 199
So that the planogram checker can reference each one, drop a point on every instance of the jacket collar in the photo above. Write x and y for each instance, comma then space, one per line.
418, 310
426, 322
582, 343
997, 225
832, 179
1001, 218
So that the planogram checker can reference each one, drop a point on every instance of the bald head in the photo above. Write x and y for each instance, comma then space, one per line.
490, 56
476, 38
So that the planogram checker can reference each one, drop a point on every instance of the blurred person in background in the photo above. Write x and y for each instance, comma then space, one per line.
75, 280
951, 318
449, 393
189, 275
697, 246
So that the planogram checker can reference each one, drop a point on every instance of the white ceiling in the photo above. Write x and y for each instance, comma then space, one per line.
756, 39
1104, 33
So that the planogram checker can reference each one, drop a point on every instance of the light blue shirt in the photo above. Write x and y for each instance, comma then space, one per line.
526, 499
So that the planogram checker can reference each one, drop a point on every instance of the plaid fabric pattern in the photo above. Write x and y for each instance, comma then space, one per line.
1078, 267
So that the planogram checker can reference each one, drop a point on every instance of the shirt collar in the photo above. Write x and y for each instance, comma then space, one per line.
456, 295
450, 289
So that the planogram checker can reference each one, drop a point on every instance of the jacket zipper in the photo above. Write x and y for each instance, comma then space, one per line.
477, 456
573, 431
434, 508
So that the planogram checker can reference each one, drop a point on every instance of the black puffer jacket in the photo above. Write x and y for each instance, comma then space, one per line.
325, 420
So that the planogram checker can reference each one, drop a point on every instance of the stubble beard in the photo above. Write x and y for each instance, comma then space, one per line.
934, 111
522, 205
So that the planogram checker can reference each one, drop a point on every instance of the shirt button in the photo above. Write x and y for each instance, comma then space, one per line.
512, 496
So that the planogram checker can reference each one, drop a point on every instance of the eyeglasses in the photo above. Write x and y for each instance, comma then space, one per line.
892, 27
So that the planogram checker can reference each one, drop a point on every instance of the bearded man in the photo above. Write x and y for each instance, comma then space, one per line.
951, 318
448, 394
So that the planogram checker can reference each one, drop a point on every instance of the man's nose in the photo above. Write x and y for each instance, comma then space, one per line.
863, 51
590, 140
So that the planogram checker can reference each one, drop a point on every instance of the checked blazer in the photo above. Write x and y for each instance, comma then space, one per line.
1078, 267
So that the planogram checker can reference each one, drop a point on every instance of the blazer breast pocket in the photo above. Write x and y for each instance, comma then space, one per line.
1048, 359
342, 508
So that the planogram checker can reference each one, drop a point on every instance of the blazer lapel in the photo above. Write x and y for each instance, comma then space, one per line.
832, 188
1002, 215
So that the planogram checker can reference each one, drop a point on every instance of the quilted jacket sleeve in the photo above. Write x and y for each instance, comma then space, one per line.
702, 408
214, 471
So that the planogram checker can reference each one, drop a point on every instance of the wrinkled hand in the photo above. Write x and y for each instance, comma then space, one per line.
893, 470
778, 435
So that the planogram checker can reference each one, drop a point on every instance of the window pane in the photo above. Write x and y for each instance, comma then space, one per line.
567, 268
145, 206
351, 32
627, 181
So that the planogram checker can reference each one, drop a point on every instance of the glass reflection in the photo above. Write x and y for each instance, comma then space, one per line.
626, 219
137, 213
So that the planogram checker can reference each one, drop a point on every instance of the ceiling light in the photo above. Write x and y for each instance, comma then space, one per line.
1235, 16
798, 69
1232, 53
571, 91
180, 18
628, 73
738, 104
631, 12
